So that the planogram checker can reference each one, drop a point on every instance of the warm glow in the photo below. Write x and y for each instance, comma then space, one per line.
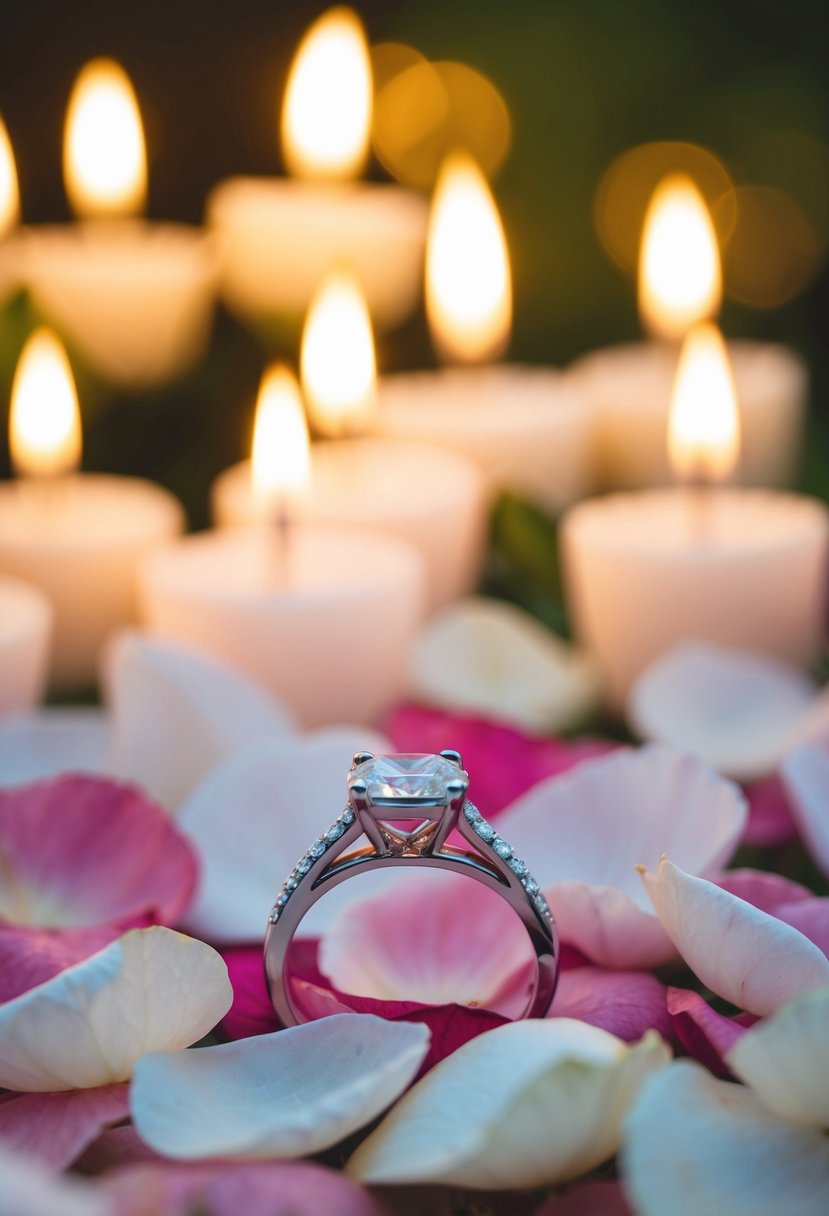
339, 376
9, 195
45, 422
704, 427
680, 280
326, 115
468, 282
280, 468
104, 160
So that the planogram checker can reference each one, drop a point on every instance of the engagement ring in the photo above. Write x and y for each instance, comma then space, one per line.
401, 811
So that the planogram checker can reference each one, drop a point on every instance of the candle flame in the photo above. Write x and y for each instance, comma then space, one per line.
339, 374
104, 159
326, 114
280, 461
468, 281
9, 193
704, 426
45, 421
680, 279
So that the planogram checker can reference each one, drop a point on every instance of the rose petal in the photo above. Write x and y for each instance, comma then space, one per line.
261, 1189
696, 1145
530, 1104
151, 990
735, 710
177, 712
283, 795
742, 954
763, 888
27, 1188
810, 917
785, 1060
82, 850
439, 940
588, 1199
489, 658
626, 1003
29, 957
503, 762
704, 1033
44, 742
770, 819
806, 779
281, 1095
584, 833
58, 1127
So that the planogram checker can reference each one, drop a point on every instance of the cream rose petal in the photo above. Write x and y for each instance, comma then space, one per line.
177, 712
286, 1094
27, 1188
254, 815
490, 658
151, 990
746, 956
785, 1059
41, 743
739, 712
584, 833
529, 1104
695, 1145
806, 779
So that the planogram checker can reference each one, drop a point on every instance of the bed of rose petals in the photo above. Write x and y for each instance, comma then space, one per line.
684, 1065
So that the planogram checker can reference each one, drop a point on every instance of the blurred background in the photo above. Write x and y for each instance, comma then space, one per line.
583, 83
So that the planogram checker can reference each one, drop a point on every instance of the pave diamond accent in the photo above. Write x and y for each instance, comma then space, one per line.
406, 778
503, 850
308, 860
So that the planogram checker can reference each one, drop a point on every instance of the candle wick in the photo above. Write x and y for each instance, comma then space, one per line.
280, 543
700, 497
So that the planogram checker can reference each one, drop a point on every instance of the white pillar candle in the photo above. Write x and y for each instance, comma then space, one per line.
280, 236
643, 572
523, 426
329, 633
78, 537
433, 499
628, 390
9, 215
25, 632
134, 298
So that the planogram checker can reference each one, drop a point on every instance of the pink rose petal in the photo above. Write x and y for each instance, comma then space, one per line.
440, 940
810, 917
763, 888
58, 1127
85, 850
116, 1147
770, 819
588, 1199
503, 763
806, 780
705, 1034
279, 1188
29, 957
627, 1003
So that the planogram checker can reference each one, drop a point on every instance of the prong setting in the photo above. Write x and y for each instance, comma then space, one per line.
455, 757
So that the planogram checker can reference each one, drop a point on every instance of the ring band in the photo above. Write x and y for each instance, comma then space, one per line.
384, 792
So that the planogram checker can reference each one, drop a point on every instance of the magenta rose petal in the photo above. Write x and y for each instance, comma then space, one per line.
627, 1003
588, 1199
770, 819
502, 762
57, 1127
705, 1034
85, 850
225, 1189
810, 917
763, 888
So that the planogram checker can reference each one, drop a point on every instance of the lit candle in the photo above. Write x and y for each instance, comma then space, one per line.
280, 236
25, 632
78, 538
9, 215
322, 614
747, 568
629, 387
134, 298
522, 425
426, 496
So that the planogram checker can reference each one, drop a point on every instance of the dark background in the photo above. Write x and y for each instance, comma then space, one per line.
583, 80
